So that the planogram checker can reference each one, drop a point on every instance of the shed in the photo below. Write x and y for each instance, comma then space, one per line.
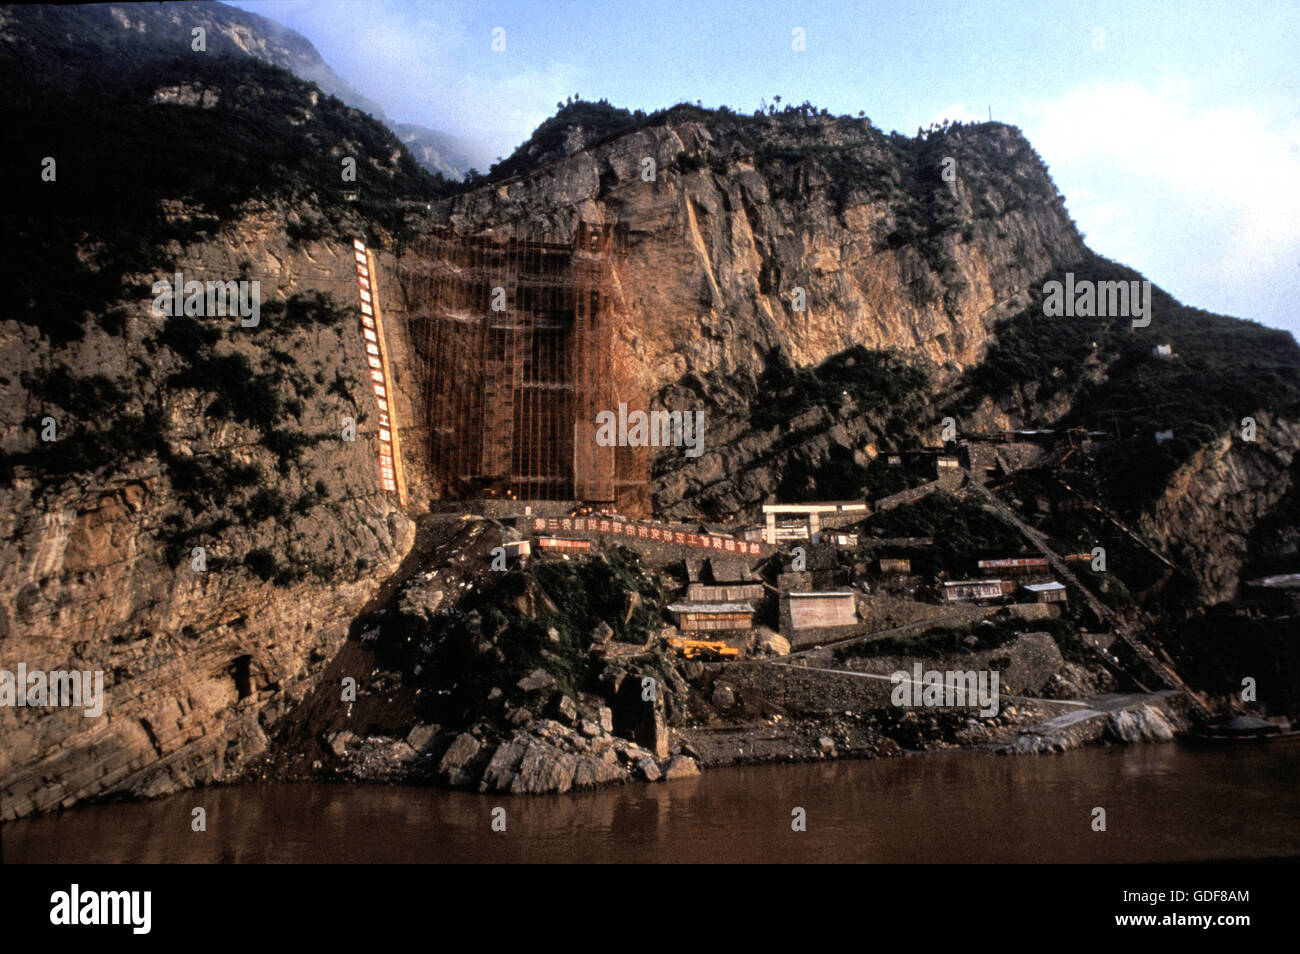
825, 608
958, 590
1015, 566
712, 616
1052, 592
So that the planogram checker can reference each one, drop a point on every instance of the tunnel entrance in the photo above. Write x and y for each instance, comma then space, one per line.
514, 338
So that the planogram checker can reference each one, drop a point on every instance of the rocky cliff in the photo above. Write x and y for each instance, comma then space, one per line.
231, 31
1216, 503
732, 217
181, 510
823, 290
98, 567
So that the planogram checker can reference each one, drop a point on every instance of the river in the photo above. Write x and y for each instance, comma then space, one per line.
1162, 802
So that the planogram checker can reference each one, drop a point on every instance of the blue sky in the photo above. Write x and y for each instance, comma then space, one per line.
1172, 129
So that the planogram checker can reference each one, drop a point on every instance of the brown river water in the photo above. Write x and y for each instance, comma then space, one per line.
1163, 803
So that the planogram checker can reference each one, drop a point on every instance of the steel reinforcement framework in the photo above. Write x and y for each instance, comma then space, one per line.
513, 337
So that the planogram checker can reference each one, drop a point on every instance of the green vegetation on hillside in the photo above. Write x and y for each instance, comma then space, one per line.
877, 382
82, 242
963, 532
1223, 370
488, 642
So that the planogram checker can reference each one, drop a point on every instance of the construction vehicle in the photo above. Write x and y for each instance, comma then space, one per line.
702, 648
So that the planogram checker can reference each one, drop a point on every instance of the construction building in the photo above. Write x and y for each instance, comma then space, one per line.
717, 580
560, 543
1052, 592
712, 616
1015, 566
812, 516
818, 610
513, 338
962, 590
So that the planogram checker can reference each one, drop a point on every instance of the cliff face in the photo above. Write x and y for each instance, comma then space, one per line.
97, 568
788, 240
741, 215
232, 31
1216, 504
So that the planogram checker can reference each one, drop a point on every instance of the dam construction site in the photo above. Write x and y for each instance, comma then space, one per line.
677, 439
547, 632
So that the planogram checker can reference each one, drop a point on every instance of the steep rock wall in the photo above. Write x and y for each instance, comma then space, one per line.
197, 665
1215, 503
736, 221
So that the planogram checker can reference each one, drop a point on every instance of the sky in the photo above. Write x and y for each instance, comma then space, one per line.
1171, 128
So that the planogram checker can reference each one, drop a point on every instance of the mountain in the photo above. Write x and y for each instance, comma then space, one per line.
949, 276
174, 432
923, 298
436, 151
232, 31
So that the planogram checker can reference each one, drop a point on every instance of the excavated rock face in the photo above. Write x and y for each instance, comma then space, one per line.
98, 567
1216, 503
790, 239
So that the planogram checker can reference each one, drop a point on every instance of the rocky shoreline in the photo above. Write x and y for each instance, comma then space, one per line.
552, 757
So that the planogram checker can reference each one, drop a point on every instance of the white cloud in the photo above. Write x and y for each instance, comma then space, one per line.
429, 64
1201, 198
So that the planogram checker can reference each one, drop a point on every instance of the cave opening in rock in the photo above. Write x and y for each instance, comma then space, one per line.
241, 672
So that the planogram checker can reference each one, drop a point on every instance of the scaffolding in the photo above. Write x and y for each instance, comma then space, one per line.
514, 340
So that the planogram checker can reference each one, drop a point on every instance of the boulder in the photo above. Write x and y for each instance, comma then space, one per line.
681, 766
420, 736
773, 642
421, 602
533, 602
606, 717
503, 766
649, 770
567, 710
338, 742
457, 757
723, 697
592, 771
537, 679
544, 769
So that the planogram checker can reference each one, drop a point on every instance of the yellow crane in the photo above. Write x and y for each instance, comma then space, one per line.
702, 648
